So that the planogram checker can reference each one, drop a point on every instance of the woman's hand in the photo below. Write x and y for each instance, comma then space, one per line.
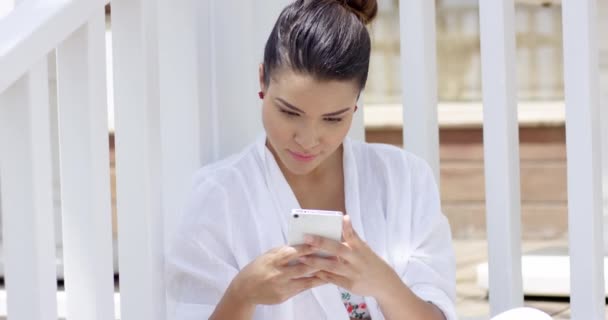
355, 267
270, 280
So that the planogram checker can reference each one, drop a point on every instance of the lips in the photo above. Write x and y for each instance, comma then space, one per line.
302, 156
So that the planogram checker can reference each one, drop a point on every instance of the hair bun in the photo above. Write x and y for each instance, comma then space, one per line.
366, 10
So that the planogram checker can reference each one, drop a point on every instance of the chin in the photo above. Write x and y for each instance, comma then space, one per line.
299, 169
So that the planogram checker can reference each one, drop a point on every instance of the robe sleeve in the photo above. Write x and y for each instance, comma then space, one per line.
430, 272
199, 261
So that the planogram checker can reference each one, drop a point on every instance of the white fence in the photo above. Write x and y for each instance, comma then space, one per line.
185, 81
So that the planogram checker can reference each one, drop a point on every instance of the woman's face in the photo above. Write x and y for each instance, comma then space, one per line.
306, 120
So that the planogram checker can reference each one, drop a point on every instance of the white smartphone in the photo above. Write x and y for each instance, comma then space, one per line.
322, 223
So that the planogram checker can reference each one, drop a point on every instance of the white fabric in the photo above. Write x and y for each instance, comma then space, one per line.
522, 313
238, 210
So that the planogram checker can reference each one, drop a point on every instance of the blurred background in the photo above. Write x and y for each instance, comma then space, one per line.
541, 110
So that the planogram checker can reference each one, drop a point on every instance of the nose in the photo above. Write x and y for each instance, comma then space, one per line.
307, 137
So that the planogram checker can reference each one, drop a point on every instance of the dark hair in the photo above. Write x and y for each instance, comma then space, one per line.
326, 39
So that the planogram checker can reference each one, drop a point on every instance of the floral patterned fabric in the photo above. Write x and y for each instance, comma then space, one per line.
355, 305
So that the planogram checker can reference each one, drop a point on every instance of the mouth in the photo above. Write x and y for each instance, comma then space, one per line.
302, 157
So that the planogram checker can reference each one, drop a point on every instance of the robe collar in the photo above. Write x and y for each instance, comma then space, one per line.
286, 200
328, 296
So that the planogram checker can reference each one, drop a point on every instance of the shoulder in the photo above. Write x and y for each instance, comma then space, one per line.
228, 173
222, 186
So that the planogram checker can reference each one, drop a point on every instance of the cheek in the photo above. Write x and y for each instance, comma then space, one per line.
340, 133
275, 129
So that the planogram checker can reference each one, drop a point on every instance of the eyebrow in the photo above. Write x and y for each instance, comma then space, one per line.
291, 106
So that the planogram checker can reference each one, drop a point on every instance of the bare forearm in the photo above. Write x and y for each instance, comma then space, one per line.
399, 302
231, 307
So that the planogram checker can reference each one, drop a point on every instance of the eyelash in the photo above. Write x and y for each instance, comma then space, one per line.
293, 114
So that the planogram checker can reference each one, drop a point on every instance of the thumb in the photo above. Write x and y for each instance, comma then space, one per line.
348, 232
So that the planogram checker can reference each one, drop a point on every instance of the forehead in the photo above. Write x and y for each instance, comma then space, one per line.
305, 91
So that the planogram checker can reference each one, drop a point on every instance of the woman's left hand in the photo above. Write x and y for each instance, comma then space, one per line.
354, 267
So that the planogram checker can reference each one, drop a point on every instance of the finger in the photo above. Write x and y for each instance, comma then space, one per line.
327, 245
336, 279
302, 284
348, 232
299, 270
288, 253
332, 265
283, 252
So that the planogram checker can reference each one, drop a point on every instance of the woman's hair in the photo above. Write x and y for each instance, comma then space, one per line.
326, 39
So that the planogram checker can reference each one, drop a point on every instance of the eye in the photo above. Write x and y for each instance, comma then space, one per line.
333, 119
289, 113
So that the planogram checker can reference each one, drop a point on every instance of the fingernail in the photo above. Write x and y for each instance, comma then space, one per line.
302, 259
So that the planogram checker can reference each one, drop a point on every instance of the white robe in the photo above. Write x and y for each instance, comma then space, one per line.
239, 206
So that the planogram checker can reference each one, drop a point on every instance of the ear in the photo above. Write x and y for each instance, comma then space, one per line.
261, 78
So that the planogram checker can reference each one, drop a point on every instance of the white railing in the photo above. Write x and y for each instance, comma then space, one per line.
184, 90
75, 29
501, 141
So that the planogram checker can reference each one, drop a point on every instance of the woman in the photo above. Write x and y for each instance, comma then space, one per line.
229, 259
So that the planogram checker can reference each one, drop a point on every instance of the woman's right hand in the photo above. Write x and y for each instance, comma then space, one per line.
269, 279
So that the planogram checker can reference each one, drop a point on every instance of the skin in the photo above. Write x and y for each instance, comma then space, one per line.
304, 115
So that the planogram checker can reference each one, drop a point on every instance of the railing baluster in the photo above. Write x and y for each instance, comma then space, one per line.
85, 173
501, 153
138, 156
27, 204
603, 53
419, 80
179, 106
581, 79
238, 110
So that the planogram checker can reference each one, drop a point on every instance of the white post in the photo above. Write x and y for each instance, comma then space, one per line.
27, 205
581, 78
235, 71
179, 108
230, 114
419, 80
6, 6
603, 42
85, 173
208, 118
501, 154
138, 156
357, 128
